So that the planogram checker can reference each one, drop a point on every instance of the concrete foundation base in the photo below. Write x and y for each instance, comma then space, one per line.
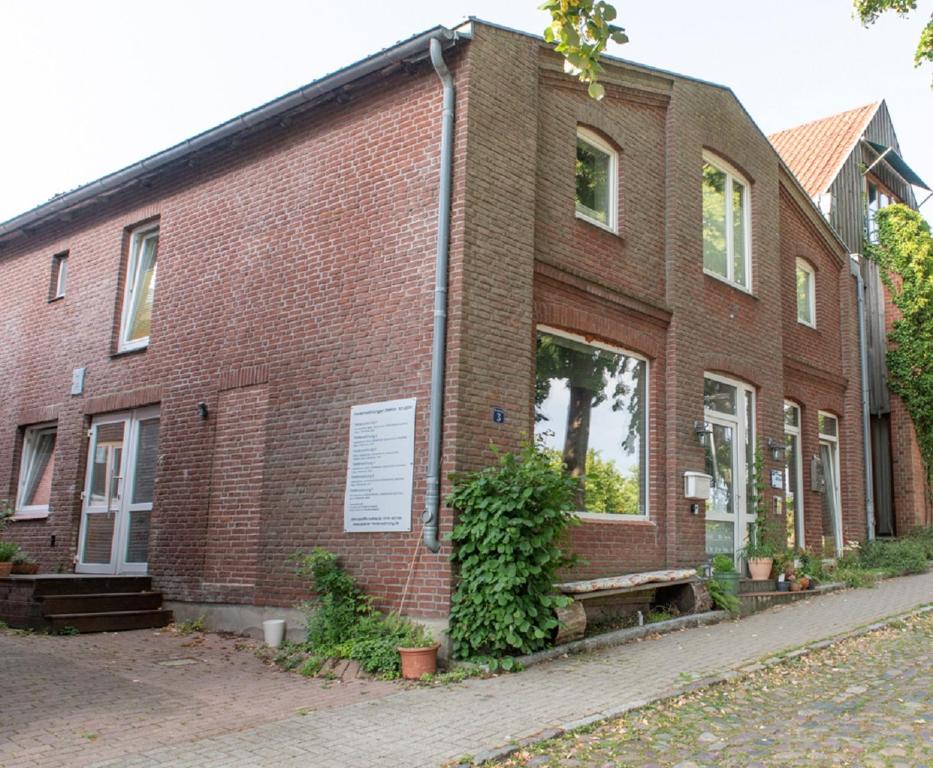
247, 620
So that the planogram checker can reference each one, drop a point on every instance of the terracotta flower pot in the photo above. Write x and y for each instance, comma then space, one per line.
760, 568
6, 568
795, 586
25, 568
417, 662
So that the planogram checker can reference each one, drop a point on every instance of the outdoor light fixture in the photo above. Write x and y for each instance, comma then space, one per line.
202, 410
702, 431
777, 450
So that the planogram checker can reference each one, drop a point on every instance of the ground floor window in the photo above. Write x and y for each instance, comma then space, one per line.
591, 413
35, 474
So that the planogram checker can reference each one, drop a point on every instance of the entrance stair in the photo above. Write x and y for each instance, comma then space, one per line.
758, 595
63, 603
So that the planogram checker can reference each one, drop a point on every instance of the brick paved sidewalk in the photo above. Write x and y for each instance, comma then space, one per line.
426, 726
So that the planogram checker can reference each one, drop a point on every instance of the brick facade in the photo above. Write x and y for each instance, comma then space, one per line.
295, 280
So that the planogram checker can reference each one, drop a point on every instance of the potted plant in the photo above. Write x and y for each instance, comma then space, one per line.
760, 557
418, 652
725, 573
8, 551
24, 564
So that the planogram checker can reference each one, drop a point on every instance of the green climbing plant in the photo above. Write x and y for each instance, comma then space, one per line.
904, 252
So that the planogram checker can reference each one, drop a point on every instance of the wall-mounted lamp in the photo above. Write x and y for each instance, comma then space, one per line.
703, 431
202, 410
776, 448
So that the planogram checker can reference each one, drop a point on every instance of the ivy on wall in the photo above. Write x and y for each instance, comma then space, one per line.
905, 254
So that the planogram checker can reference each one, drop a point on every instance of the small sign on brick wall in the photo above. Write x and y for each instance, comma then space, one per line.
77, 381
380, 467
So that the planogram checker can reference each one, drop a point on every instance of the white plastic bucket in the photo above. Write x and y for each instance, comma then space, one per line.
274, 631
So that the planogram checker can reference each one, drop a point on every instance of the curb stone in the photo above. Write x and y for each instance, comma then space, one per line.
503, 752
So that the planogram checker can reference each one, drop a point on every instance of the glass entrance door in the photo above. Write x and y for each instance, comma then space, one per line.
118, 493
728, 410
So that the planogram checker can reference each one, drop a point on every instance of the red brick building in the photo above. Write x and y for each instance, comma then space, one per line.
623, 279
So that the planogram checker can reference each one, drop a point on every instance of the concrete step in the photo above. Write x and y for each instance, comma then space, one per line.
52, 584
107, 602
748, 586
109, 621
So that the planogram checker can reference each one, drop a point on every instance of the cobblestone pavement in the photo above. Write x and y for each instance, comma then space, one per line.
75, 705
867, 701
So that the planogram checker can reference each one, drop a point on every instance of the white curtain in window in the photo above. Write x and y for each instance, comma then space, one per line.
37, 470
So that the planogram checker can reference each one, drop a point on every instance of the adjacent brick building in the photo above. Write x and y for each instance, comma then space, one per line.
655, 237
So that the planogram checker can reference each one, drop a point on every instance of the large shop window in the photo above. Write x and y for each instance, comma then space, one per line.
591, 412
35, 473
726, 241
596, 178
140, 288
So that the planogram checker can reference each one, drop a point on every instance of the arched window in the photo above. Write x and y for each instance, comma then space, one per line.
597, 180
726, 218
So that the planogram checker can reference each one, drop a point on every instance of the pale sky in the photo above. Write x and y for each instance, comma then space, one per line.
89, 87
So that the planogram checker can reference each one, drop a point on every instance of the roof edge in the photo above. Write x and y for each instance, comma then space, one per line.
305, 95
830, 236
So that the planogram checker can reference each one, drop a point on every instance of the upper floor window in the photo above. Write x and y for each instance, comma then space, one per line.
806, 294
59, 276
878, 198
726, 242
596, 180
591, 413
35, 472
140, 288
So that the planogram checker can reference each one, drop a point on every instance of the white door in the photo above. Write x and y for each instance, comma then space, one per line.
829, 460
728, 410
121, 468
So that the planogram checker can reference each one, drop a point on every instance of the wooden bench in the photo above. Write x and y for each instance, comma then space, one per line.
573, 617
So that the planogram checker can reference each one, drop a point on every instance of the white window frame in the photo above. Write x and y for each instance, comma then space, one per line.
795, 431
608, 517
32, 511
732, 173
745, 403
60, 265
802, 265
137, 237
600, 144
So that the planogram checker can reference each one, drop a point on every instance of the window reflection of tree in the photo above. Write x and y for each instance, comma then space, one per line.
593, 376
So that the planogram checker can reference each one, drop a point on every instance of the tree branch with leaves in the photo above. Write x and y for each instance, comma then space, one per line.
580, 30
868, 12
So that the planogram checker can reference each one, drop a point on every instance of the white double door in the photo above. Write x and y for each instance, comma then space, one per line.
118, 492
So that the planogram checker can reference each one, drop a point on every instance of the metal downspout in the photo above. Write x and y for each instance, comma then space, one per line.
439, 349
856, 271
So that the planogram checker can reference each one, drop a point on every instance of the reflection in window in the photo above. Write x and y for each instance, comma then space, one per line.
806, 311
591, 414
36, 468
595, 179
725, 225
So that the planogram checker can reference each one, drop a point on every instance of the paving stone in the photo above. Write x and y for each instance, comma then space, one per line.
229, 710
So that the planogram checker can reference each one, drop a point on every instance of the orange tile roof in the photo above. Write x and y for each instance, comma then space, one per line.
815, 151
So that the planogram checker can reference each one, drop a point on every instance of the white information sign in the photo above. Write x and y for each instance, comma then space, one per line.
380, 467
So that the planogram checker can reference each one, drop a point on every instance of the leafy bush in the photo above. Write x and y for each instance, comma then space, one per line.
923, 534
722, 599
511, 518
343, 624
8, 550
723, 564
895, 557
